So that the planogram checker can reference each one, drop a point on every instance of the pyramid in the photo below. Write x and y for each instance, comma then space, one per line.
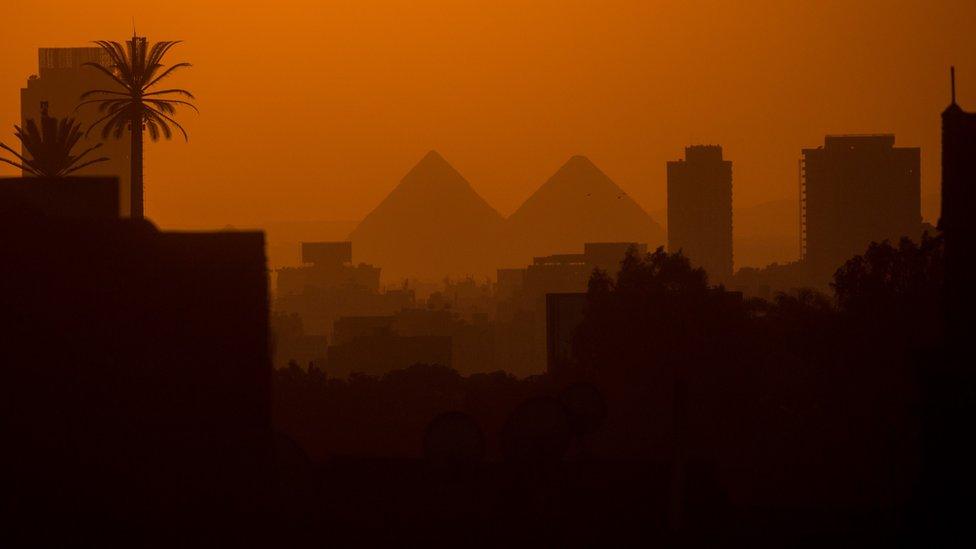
433, 224
578, 204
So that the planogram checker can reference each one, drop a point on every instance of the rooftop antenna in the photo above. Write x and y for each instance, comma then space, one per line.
952, 82
134, 26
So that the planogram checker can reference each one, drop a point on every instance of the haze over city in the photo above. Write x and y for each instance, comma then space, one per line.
484, 274
507, 92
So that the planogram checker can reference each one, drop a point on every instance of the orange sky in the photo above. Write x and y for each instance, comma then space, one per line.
313, 110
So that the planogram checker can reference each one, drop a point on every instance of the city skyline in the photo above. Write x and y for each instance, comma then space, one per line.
638, 100
633, 345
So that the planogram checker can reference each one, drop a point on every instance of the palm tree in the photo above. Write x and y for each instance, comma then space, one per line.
49, 149
135, 106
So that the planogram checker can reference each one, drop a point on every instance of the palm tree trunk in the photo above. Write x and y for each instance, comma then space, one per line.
136, 209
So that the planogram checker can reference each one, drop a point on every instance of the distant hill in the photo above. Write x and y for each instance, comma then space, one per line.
578, 204
433, 224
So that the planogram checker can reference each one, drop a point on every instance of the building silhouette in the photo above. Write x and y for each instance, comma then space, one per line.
700, 209
854, 190
327, 265
135, 363
956, 220
328, 285
522, 306
564, 314
60, 81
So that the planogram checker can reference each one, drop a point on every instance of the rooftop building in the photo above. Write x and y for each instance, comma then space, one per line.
856, 189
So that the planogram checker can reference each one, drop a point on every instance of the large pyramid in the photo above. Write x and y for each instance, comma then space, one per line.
578, 204
433, 224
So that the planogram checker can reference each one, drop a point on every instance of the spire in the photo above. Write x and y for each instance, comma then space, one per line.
952, 83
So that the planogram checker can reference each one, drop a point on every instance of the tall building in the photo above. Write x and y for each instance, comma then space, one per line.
856, 189
700, 209
956, 220
60, 81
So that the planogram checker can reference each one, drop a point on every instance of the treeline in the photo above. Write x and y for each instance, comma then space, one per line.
815, 392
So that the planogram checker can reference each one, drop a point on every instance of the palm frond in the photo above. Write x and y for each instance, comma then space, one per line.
25, 163
174, 90
161, 124
99, 121
90, 93
165, 74
113, 49
107, 71
86, 151
153, 128
89, 163
174, 102
162, 106
159, 50
117, 122
186, 136
15, 153
27, 169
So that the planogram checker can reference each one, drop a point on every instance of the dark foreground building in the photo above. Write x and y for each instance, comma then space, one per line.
947, 373
700, 209
856, 189
958, 203
564, 314
135, 365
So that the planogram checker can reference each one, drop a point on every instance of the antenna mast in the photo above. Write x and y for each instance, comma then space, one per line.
952, 83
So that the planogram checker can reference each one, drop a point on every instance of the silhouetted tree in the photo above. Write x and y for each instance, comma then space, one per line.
886, 274
136, 106
650, 333
659, 310
49, 148
891, 287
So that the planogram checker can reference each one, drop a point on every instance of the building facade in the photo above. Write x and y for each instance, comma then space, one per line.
700, 210
854, 190
61, 79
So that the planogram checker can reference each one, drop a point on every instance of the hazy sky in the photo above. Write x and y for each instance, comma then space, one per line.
313, 110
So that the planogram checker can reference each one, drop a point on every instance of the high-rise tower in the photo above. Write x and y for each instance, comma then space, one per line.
957, 220
856, 189
700, 209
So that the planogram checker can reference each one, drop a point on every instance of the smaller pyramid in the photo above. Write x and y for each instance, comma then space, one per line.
578, 204
433, 224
